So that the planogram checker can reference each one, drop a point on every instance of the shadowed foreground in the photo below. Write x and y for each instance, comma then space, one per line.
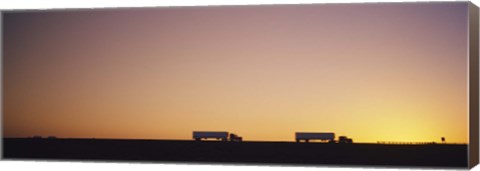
435, 155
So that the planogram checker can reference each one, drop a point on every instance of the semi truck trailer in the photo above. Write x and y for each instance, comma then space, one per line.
322, 136
307, 136
219, 135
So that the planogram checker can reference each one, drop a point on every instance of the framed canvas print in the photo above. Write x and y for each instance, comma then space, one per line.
358, 84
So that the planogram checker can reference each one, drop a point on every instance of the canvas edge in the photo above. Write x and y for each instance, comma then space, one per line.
473, 145
2, 124
473, 78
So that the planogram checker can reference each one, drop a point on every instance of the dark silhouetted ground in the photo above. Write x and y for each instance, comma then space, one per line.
434, 155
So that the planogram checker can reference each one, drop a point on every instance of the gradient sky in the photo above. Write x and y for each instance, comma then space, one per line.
373, 72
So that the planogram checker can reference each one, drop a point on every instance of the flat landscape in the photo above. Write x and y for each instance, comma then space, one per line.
291, 153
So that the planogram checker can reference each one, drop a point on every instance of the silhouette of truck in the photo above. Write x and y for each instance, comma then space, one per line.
344, 140
235, 138
323, 136
223, 136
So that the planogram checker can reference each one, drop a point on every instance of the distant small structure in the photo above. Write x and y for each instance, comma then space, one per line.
443, 139
405, 143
